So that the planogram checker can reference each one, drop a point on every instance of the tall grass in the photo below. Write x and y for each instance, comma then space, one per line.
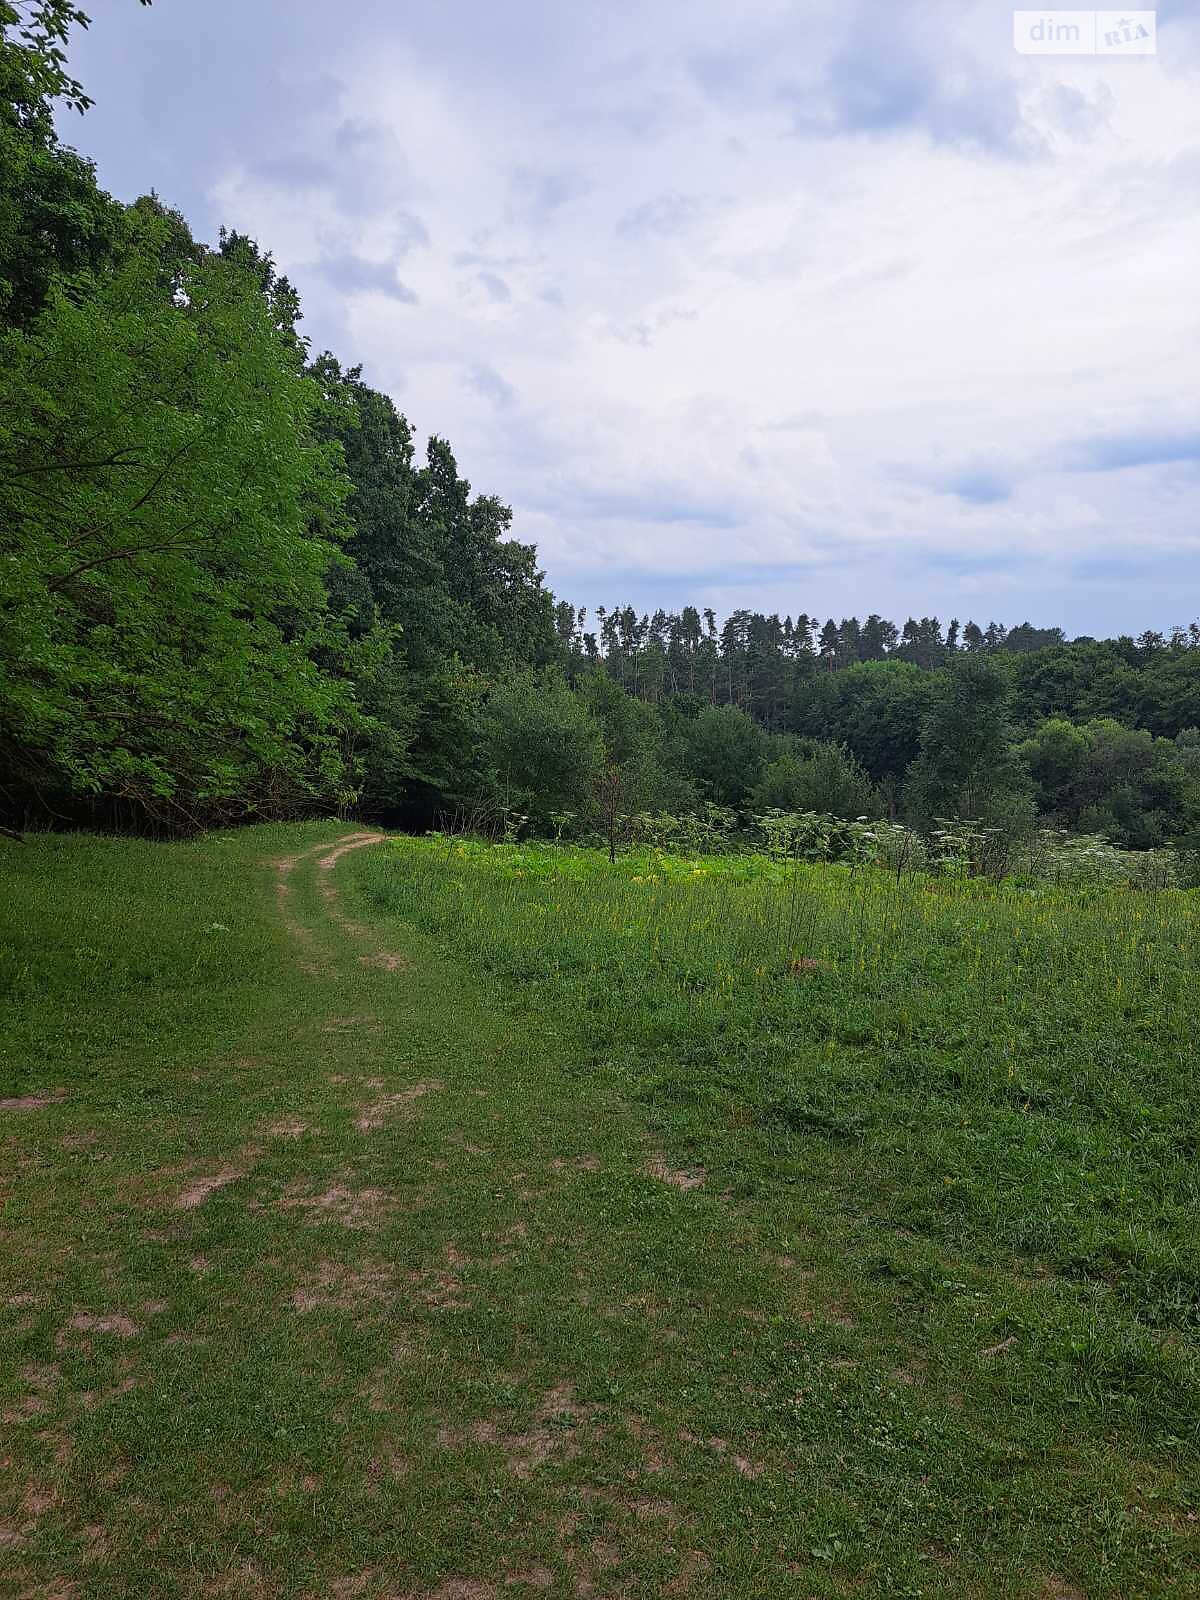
1010, 1065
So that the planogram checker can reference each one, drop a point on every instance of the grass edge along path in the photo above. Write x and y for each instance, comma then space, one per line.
323, 1273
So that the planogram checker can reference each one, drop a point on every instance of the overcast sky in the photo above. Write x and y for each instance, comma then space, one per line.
804, 307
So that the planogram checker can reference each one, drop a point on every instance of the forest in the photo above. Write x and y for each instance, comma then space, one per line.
235, 587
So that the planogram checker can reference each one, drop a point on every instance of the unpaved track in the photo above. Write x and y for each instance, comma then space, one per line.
304, 935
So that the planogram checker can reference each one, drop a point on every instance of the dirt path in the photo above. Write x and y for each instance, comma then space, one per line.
330, 853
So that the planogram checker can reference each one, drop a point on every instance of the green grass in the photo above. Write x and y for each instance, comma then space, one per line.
927, 1327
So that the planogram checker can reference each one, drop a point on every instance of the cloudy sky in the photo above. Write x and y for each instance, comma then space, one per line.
804, 307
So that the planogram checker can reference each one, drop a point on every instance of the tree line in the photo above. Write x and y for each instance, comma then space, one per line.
233, 585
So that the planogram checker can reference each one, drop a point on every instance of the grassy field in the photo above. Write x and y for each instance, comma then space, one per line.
437, 1222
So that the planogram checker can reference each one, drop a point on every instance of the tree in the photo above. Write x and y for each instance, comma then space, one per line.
544, 750
437, 564
447, 756
610, 803
635, 743
878, 637
876, 708
1056, 757
817, 777
54, 219
966, 767
166, 522
724, 751
1025, 638
1106, 778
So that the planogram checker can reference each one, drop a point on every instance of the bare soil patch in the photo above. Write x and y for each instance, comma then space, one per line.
374, 1116
123, 1327
341, 1288
441, 1288
560, 1428
287, 1128
677, 1177
285, 866
33, 1102
588, 1163
386, 961
350, 841
351, 1208
538, 1578
198, 1192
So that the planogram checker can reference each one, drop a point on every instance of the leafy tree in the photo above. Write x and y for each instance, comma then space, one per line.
637, 748
966, 767
166, 522
817, 777
378, 745
1056, 757
1106, 778
630, 725
447, 757
1187, 749
1025, 638
542, 746
724, 751
439, 565
876, 708
53, 217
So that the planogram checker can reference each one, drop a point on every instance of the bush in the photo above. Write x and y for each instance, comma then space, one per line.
544, 750
824, 778
724, 751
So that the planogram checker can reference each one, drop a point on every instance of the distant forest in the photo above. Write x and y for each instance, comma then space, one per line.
779, 671
232, 587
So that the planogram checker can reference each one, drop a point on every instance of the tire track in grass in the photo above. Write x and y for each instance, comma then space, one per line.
302, 933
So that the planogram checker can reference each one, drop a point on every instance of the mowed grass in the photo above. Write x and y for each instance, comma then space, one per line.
473, 1235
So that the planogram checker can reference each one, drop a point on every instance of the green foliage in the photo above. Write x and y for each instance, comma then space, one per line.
873, 687
636, 744
439, 565
630, 725
876, 708
545, 750
53, 218
817, 777
448, 759
33, 60
1103, 777
724, 751
966, 767
166, 524
377, 745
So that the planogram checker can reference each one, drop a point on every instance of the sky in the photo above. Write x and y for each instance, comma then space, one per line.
833, 308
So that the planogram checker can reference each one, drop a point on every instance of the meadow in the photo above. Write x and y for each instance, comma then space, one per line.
1007, 1066
420, 1219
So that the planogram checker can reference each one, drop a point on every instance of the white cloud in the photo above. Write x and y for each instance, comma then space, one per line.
737, 297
